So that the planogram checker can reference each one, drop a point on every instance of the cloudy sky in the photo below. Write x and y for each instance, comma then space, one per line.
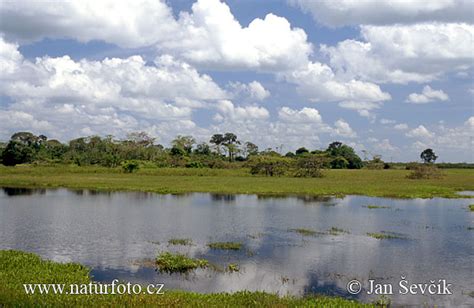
389, 77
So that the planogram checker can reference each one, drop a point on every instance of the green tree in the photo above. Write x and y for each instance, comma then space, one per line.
428, 156
217, 140
301, 151
184, 142
337, 149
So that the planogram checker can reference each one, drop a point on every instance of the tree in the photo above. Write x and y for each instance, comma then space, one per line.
202, 149
230, 142
301, 150
250, 149
269, 165
141, 139
428, 156
310, 165
217, 139
184, 142
337, 149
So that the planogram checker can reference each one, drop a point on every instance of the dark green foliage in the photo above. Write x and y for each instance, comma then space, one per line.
338, 149
301, 151
339, 162
130, 166
428, 156
310, 165
194, 164
178, 263
269, 165
425, 171
226, 245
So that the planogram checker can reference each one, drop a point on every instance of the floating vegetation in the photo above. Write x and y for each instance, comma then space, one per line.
306, 232
385, 235
255, 235
178, 263
225, 245
471, 207
233, 267
470, 228
371, 206
180, 241
337, 231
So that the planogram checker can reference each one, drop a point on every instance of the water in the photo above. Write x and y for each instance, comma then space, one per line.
115, 233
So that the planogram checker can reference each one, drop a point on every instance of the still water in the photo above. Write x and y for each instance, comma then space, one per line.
115, 233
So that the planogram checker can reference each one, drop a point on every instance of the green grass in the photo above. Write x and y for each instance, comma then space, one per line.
384, 236
381, 183
226, 245
178, 263
180, 241
232, 267
18, 267
377, 207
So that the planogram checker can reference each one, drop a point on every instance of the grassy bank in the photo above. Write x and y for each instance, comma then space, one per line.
18, 267
381, 183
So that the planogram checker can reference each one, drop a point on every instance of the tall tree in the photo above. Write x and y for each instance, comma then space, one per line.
428, 156
217, 140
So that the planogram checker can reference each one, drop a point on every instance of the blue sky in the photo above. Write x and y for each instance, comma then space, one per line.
390, 78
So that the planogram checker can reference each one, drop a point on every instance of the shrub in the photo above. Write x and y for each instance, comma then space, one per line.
425, 171
194, 164
130, 166
310, 166
269, 165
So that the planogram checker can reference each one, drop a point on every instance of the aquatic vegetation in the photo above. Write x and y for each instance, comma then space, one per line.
384, 235
471, 207
226, 245
377, 207
178, 263
180, 241
17, 267
233, 267
305, 232
337, 231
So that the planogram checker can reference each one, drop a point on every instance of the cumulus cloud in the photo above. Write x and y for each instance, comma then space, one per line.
228, 111
427, 95
305, 115
113, 95
253, 91
342, 128
382, 12
404, 53
420, 132
401, 126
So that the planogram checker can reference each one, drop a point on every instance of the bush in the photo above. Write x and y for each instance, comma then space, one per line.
130, 166
425, 171
310, 166
194, 164
339, 163
269, 165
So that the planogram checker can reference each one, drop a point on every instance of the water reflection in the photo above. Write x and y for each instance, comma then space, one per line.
112, 231
12, 191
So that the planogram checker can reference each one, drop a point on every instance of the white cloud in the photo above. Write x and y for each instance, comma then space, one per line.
230, 112
253, 91
305, 115
386, 147
342, 128
318, 82
427, 95
127, 24
403, 53
420, 132
348, 12
401, 126
387, 121
63, 96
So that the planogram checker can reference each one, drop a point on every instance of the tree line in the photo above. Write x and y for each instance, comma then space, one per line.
222, 151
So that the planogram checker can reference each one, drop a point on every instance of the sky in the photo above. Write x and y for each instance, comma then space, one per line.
391, 78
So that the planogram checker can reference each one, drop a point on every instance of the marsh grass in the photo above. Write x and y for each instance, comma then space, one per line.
178, 263
337, 231
233, 267
226, 245
383, 235
306, 232
180, 241
471, 207
371, 206
18, 267
380, 183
